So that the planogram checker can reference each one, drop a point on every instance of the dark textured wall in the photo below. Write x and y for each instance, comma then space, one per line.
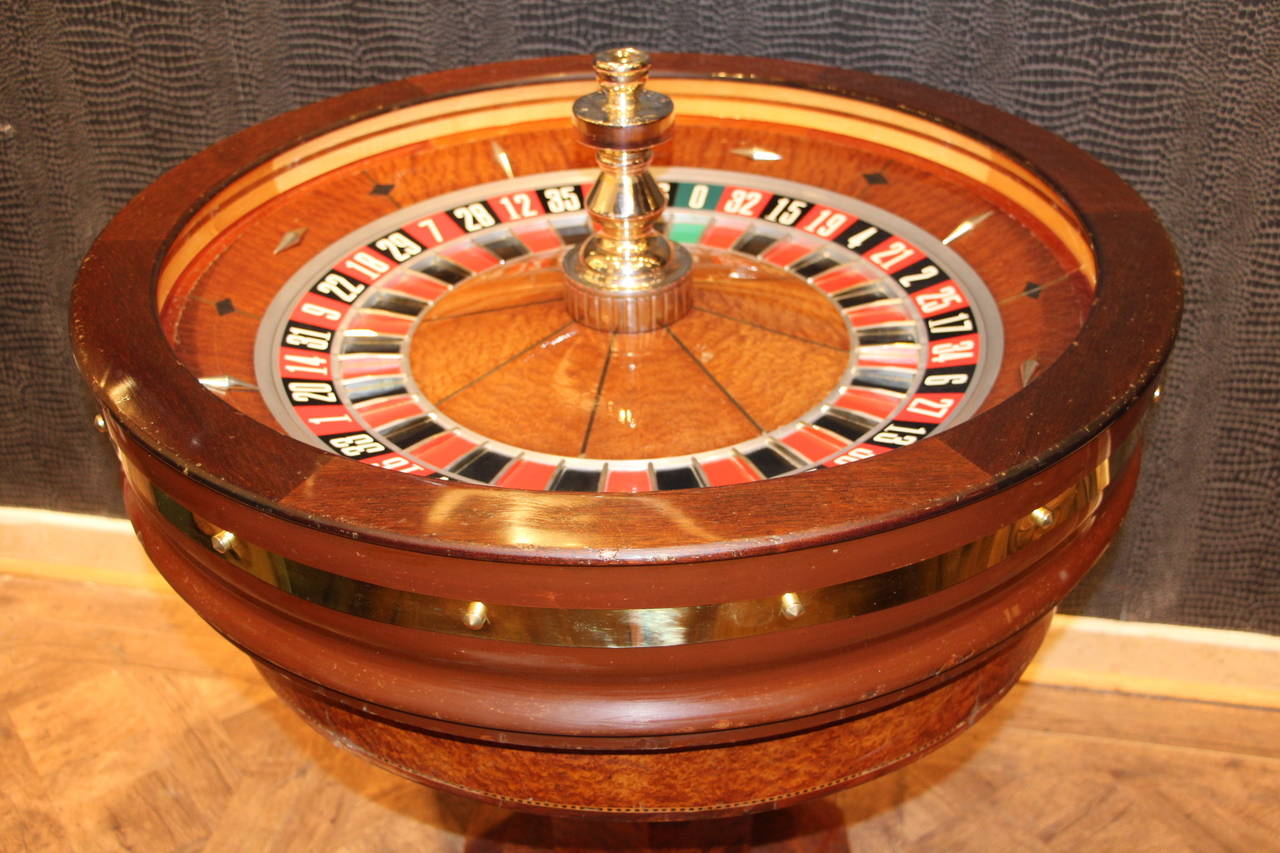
98, 98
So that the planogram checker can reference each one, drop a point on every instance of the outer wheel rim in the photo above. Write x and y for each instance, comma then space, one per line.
1136, 333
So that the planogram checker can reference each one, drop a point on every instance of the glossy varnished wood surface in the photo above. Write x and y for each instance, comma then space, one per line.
152, 734
1072, 398
570, 698
553, 551
243, 266
667, 784
758, 350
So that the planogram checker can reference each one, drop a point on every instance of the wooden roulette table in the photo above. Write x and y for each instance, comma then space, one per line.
793, 535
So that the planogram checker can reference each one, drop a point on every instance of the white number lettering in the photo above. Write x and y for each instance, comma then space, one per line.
698, 196
945, 351
398, 463
856, 240
925, 407
399, 247
306, 364
743, 202
827, 223
340, 287
786, 210
562, 199
955, 324
899, 435
941, 299
518, 206
320, 311
360, 444
938, 379
854, 455
312, 392
297, 336
896, 252
928, 272
332, 419
474, 217
367, 265
430, 225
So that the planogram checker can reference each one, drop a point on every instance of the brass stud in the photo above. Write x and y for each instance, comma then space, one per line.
99, 422
223, 541
1043, 517
792, 606
476, 615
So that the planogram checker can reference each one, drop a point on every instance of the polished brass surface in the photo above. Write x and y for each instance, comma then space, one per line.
1043, 516
655, 626
476, 615
625, 277
223, 541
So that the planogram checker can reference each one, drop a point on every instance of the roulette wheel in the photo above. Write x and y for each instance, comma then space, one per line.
548, 452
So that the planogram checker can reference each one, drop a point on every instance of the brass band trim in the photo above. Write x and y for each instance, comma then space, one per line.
639, 627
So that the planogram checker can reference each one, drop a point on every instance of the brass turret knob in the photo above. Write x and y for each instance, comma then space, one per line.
626, 276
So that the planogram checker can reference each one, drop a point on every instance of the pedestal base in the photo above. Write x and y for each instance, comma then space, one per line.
718, 781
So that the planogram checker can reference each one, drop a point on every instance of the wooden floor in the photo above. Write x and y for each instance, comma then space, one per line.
126, 724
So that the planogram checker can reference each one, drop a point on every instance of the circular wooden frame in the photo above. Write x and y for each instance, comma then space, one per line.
647, 551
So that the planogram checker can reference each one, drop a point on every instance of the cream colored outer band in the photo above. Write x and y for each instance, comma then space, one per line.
719, 99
